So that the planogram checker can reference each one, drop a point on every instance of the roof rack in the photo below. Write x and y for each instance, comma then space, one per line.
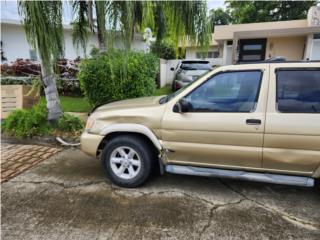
278, 59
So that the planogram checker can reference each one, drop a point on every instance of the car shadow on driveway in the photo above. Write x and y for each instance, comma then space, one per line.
69, 197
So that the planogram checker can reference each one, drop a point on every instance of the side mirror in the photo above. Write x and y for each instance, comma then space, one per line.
181, 106
172, 69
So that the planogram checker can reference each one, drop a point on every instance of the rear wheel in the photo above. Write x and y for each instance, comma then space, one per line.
128, 160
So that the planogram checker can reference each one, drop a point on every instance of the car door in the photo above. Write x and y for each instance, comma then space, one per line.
292, 135
225, 123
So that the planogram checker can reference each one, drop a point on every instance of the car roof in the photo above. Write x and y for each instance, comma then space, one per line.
279, 61
276, 65
195, 61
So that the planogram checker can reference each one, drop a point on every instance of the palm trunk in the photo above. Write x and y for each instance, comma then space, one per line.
51, 92
101, 24
90, 15
101, 41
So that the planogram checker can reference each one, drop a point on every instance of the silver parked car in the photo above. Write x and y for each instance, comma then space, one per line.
188, 71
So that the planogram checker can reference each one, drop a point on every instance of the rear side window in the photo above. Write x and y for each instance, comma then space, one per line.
298, 91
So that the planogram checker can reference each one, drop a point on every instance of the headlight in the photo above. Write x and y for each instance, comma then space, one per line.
90, 122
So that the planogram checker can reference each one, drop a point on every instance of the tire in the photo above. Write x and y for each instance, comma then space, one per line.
173, 87
317, 184
120, 158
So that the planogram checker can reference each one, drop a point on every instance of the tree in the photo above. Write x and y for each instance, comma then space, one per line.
168, 19
219, 17
42, 21
267, 11
84, 19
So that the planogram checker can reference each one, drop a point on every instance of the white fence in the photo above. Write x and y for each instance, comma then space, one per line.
166, 74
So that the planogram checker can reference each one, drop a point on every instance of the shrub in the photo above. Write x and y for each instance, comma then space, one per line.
28, 122
69, 87
164, 50
69, 123
118, 75
24, 123
16, 80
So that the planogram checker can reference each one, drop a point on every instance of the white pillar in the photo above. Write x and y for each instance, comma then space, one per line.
224, 58
308, 47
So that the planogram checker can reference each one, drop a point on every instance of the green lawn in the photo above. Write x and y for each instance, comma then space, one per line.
163, 91
81, 104
73, 104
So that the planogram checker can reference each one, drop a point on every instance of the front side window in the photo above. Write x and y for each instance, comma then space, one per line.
227, 92
298, 91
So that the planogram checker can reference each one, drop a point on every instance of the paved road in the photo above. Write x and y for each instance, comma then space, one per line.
68, 197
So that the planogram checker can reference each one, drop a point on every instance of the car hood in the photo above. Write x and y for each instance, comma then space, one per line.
130, 104
146, 111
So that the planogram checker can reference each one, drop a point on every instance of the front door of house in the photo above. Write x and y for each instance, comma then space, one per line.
252, 50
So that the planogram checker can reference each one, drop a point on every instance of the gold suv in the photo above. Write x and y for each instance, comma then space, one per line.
258, 122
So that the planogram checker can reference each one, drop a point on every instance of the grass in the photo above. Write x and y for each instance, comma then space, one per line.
73, 104
81, 104
163, 91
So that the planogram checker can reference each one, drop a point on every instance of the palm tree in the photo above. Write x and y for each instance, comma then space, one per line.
173, 19
42, 22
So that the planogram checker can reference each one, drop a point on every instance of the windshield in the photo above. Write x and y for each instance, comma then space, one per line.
195, 66
172, 95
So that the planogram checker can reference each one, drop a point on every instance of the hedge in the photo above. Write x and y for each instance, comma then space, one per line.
118, 75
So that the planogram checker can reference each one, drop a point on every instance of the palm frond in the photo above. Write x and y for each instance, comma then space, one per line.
188, 18
80, 25
42, 22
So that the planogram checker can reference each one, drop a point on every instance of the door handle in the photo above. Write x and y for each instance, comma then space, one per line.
253, 121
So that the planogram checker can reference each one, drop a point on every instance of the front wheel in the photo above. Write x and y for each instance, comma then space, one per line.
128, 160
317, 184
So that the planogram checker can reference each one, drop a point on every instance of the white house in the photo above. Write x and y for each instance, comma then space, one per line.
295, 40
15, 45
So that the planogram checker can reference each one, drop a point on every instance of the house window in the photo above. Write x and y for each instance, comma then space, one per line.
251, 57
316, 36
252, 50
211, 54
214, 54
230, 42
33, 55
3, 58
252, 47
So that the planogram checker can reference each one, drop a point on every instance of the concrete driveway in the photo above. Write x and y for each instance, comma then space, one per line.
68, 197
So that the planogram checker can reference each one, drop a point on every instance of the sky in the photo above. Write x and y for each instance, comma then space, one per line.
9, 9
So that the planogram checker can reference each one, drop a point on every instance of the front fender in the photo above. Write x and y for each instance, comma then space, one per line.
135, 128
316, 174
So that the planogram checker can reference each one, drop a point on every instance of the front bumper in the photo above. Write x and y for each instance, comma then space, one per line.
90, 143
